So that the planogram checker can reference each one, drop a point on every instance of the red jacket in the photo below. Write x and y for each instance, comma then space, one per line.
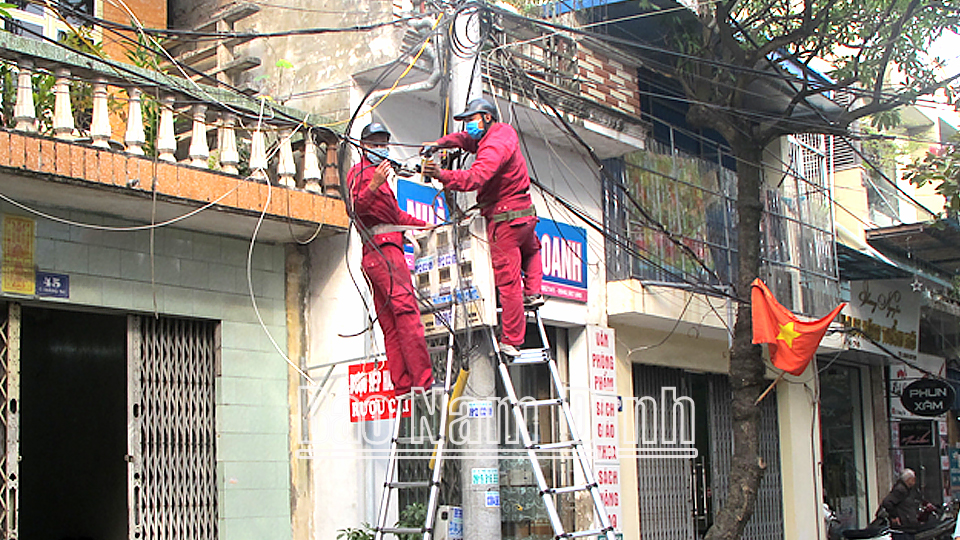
378, 207
498, 175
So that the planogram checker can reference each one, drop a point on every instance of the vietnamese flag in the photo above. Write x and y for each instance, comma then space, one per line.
792, 342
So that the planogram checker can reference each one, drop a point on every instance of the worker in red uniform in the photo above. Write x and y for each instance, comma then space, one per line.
380, 222
499, 176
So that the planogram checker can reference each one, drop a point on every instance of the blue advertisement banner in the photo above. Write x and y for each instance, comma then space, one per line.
563, 247
564, 256
422, 201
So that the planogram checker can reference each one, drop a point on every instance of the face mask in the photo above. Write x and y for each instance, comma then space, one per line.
473, 129
378, 155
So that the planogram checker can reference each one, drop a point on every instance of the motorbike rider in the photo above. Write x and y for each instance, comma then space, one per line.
903, 502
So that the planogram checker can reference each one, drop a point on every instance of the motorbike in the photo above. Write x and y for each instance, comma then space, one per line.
938, 524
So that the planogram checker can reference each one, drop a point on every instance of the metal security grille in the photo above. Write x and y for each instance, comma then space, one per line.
9, 417
767, 520
173, 486
666, 495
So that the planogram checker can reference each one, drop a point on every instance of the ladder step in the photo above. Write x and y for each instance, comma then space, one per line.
411, 440
556, 446
541, 402
403, 530
410, 485
591, 532
571, 489
531, 356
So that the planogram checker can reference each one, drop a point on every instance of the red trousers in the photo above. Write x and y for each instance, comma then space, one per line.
399, 317
517, 271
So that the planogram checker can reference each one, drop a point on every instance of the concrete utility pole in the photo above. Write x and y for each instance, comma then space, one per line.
481, 465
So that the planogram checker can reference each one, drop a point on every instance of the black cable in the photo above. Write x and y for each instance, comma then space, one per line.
630, 248
139, 79
174, 32
667, 52
656, 225
341, 160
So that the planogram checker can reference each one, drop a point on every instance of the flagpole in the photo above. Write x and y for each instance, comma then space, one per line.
769, 388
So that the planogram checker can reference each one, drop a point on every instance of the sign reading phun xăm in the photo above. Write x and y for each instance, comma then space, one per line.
371, 393
927, 397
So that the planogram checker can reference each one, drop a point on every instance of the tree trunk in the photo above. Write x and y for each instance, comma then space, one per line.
746, 362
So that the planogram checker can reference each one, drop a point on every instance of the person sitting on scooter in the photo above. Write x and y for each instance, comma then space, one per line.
903, 502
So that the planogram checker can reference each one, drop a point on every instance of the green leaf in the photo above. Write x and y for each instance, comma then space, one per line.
284, 64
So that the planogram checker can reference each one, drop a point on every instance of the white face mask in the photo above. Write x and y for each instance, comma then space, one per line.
377, 155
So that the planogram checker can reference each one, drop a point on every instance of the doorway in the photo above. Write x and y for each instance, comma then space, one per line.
73, 420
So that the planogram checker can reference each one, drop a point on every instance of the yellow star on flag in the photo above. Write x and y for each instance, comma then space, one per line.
787, 333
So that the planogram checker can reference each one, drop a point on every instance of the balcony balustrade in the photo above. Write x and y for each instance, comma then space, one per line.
262, 151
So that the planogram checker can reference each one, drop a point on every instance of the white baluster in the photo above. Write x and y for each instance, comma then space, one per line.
135, 137
258, 156
286, 168
229, 155
24, 112
63, 125
311, 165
100, 125
166, 138
199, 151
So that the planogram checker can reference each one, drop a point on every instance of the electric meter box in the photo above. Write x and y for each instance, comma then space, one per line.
454, 278
449, 523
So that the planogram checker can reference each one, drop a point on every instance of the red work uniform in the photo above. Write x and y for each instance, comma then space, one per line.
499, 176
386, 269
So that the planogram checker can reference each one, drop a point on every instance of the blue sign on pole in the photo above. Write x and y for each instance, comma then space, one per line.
422, 201
563, 247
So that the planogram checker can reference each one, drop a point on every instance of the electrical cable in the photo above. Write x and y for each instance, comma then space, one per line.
249, 272
676, 325
342, 154
201, 36
656, 225
644, 47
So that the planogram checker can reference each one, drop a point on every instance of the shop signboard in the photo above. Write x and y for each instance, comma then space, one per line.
563, 254
927, 397
886, 313
604, 418
371, 393
916, 433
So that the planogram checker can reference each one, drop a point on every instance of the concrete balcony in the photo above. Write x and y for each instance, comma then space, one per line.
47, 160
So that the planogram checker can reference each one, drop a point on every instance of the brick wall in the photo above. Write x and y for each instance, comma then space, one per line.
73, 162
150, 13
608, 81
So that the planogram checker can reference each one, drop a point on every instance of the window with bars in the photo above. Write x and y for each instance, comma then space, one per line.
694, 200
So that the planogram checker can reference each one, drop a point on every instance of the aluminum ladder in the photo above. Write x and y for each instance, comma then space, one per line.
392, 486
530, 357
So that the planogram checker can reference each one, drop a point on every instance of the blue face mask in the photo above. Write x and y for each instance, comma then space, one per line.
378, 155
473, 129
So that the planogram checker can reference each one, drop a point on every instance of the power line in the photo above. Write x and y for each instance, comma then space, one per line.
676, 54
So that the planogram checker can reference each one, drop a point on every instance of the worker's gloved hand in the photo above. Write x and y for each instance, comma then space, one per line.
381, 175
429, 149
430, 170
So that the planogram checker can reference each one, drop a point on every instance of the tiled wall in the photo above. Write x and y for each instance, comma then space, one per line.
200, 275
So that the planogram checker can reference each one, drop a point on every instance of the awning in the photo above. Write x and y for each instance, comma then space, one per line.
856, 265
934, 246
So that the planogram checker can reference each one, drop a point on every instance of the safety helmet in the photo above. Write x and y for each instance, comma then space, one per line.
479, 105
374, 128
